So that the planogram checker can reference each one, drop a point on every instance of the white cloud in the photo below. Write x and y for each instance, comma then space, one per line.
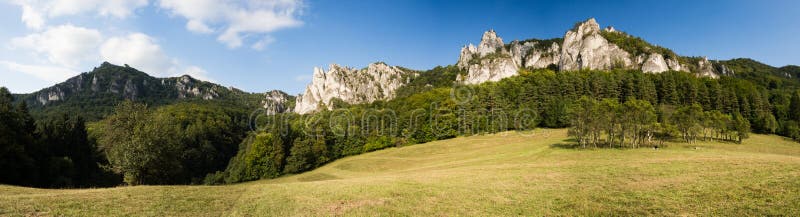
199, 27
198, 73
261, 44
143, 52
65, 45
36, 12
236, 19
48, 73
67, 48
138, 50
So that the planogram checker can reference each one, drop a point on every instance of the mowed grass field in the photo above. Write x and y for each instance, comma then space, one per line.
505, 174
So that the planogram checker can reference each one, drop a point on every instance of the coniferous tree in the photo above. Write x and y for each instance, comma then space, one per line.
794, 107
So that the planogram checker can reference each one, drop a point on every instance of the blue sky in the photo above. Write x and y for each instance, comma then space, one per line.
260, 45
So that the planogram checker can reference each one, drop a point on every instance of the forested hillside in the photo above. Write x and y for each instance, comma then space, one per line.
94, 94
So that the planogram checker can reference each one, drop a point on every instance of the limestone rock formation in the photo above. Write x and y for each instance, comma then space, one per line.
585, 48
492, 60
376, 82
582, 47
706, 68
275, 102
655, 63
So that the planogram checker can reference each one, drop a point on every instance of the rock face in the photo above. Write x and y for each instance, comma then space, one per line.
655, 63
492, 60
275, 102
706, 68
376, 82
585, 48
582, 47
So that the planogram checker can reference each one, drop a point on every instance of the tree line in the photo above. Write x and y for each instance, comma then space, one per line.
50, 153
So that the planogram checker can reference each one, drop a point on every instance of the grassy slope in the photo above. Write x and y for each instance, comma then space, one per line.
500, 174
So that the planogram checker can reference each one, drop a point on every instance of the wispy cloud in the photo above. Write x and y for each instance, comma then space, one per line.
35, 12
233, 21
50, 74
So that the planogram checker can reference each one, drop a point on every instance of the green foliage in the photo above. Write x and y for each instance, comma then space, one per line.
140, 146
794, 107
53, 152
176, 144
16, 137
429, 80
636, 46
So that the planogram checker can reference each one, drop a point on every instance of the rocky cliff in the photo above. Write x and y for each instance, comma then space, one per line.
493, 60
585, 46
276, 102
377, 81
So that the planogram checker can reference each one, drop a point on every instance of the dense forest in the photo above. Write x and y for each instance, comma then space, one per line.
222, 141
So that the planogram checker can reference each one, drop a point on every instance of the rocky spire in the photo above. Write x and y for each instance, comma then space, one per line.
585, 48
489, 43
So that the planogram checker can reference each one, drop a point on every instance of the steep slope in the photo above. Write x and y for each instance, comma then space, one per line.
94, 94
378, 81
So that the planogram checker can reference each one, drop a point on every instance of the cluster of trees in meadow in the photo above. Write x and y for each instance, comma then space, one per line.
636, 123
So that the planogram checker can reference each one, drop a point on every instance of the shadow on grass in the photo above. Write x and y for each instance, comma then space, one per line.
566, 146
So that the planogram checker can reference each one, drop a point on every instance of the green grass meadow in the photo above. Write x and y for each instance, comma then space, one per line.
506, 174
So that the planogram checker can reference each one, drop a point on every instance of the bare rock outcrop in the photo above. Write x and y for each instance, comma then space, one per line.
376, 82
492, 60
275, 102
655, 63
585, 48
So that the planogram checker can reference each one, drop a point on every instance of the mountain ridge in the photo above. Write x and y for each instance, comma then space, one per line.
94, 94
585, 46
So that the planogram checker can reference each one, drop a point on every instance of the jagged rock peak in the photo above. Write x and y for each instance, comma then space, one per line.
586, 27
492, 60
489, 43
378, 81
585, 48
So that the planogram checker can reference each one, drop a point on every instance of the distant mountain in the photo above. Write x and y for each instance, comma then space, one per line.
94, 94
